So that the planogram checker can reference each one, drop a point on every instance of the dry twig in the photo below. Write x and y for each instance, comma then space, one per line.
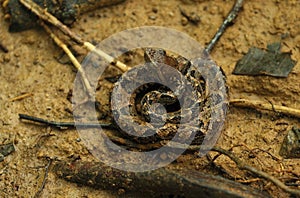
243, 166
38, 193
265, 106
229, 19
21, 97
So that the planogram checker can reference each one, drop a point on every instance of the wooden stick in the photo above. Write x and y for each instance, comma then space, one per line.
63, 125
229, 19
162, 182
265, 106
46, 16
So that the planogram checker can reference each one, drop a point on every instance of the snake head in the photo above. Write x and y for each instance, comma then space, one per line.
155, 55
158, 56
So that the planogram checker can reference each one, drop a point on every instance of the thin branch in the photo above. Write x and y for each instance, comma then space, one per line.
264, 151
229, 19
38, 193
265, 106
243, 166
62, 125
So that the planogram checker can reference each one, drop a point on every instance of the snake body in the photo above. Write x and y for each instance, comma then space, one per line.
154, 110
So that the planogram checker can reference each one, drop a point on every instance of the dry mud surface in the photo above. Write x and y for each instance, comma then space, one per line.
31, 66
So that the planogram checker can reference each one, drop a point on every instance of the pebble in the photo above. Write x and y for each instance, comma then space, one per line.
6, 58
155, 10
121, 191
30, 40
152, 17
19, 64
184, 21
16, 54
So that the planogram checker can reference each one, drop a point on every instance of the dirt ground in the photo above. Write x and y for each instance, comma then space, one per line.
31, 66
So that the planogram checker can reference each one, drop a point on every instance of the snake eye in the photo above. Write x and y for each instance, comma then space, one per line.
161, 52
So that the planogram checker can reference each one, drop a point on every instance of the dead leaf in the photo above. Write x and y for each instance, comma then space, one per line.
270, 62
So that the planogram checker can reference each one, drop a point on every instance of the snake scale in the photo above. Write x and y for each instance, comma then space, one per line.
154, 112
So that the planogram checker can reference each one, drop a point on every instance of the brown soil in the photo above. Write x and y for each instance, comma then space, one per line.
31, 66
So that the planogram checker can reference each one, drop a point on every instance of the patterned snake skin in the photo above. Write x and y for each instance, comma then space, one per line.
179, 96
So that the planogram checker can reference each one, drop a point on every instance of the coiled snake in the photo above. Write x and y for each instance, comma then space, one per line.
168, 95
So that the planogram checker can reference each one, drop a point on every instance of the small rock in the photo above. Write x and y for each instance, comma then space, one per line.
35, 61
19, 64
191, 16
30, 40
152, 17
290, 147
16, 54
121, 191
184, 21
194, 18
155, 10
5, 150
6, 58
